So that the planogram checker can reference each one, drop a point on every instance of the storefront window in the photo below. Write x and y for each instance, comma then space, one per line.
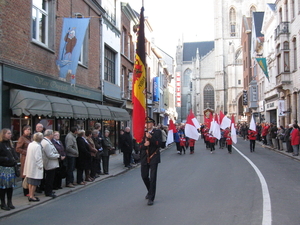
80, 124
16, 126
63, 126
110, 125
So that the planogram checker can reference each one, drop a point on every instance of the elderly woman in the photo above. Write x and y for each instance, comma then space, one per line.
84, 159
107, 147
61, 170
33, 168
21, 148
8, 159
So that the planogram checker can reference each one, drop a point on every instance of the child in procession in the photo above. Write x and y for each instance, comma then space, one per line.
182, 144
229, 143
192, 145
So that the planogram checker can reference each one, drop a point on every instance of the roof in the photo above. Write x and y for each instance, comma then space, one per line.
258, 18
272, 6
190, 49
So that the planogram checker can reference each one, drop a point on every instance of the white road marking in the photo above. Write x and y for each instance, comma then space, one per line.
267, 211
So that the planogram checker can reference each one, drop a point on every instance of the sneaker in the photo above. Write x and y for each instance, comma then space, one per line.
70, 185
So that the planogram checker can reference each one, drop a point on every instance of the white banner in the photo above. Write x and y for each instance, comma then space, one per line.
281, 108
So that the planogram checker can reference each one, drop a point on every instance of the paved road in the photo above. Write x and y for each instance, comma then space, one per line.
203, 188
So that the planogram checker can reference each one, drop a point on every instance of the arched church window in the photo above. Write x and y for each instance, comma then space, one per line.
209, 97
186, 78
232, 21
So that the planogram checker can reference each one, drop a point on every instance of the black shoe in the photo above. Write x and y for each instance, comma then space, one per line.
33, 200
51, 195
10, 205
5, 207
147, 196
150, 202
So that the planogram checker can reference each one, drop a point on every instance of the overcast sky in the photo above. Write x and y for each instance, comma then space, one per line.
171, 20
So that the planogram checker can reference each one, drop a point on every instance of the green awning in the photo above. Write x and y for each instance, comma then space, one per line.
60, 107
29, 103
119, 114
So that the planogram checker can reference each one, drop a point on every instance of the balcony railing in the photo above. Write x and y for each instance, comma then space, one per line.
283, 79
282, 28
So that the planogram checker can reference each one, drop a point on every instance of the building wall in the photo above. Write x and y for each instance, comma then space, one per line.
19, 50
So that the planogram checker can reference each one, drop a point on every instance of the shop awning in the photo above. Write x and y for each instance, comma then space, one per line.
79, 109
93, 110
60, 107
105, 112
29, 103
119, 114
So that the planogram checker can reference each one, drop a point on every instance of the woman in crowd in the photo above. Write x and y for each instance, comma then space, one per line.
280, 137
295, 139
84, 159
8, 159
107, 147
21, 148
60, 172
90, 175
33, 168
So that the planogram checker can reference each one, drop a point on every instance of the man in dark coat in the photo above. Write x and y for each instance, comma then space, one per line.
150, 157
127, 146
287, 140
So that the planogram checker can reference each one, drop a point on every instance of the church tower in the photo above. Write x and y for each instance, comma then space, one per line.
228, 50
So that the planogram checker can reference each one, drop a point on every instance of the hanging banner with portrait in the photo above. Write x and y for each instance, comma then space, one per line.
72, 36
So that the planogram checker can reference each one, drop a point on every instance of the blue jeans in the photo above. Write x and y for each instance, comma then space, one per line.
71, 161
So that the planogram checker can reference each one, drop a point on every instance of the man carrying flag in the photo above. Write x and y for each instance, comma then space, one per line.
252, 134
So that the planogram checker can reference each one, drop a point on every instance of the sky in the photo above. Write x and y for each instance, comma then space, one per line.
174, 20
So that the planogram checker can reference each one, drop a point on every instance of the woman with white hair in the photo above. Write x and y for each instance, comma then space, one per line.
33, 167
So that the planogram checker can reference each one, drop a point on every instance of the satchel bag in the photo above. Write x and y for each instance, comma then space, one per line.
17, 170
24, 183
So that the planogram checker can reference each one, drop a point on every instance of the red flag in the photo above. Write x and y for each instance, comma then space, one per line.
171, 132
139, 84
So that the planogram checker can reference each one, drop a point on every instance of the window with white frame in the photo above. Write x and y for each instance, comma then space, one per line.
109, 65
42, 22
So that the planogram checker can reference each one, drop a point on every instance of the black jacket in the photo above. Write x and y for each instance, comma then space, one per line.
153, 148
8, 155
126, 142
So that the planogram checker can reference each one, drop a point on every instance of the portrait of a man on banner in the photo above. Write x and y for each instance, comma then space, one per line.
72, 37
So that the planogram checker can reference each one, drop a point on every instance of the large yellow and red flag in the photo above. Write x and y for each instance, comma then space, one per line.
139, 84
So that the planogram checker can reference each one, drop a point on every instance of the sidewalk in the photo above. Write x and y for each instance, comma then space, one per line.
283, 152
116, 167
21, 202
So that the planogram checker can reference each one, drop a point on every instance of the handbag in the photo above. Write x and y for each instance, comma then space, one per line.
24, 183
17, 170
